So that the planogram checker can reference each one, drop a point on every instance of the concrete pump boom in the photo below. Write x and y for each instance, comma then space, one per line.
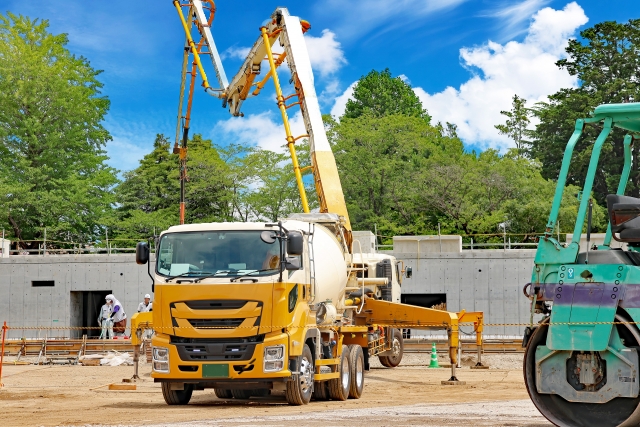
288, 32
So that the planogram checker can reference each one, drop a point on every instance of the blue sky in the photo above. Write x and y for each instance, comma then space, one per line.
464, 58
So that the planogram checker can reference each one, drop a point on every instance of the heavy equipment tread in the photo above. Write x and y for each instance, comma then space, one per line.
177, 397
337, 389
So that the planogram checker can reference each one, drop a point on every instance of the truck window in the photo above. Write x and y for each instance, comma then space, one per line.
210, 252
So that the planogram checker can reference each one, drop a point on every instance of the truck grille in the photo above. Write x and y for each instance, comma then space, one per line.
215, 323
235, 349
215, 304
216, 314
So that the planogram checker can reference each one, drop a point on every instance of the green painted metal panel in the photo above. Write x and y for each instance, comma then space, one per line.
215, 371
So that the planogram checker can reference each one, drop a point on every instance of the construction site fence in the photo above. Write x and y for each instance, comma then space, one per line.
116, 246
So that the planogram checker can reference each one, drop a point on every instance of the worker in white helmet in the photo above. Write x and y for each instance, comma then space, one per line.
118, 315
145, 305
104, 320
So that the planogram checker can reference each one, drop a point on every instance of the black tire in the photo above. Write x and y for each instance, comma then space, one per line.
397, 348
177, 397
339, 387
356, 366
239, 393
223, 393
321, 391
300, 387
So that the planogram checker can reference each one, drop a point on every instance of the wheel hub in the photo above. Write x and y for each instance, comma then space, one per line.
306, 375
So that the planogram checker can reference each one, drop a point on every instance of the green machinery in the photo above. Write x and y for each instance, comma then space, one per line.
581, 363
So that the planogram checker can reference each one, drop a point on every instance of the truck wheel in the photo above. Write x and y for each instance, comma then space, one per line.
177, 397
240, 393
300, 387
397, 349
320, 391
339, 387
356, 366
223, 393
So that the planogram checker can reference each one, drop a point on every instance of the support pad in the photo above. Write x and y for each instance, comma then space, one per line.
453, 381
479, 366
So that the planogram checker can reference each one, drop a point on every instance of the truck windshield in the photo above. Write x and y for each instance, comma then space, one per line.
209, 252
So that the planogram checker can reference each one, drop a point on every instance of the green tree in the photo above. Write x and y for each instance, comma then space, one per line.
52, 159
379, 94
149, 196
263, 183
517, 122
378, 159
606, 62
481, 194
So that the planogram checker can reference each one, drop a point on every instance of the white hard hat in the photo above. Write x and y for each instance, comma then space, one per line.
147, 296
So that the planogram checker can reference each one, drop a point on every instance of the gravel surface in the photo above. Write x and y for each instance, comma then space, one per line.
410, 394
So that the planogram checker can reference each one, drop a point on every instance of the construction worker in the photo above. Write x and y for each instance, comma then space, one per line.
104, 320
145, 305
118, 316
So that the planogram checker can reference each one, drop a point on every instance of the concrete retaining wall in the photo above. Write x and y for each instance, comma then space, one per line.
22, 304
479, 280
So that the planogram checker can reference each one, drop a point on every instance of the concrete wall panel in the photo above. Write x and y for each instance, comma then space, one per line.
488, 280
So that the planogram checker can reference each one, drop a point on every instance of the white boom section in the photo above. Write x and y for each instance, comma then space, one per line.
213, 51
288, 31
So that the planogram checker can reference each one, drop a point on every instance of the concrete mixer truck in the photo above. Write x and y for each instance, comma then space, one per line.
248, 308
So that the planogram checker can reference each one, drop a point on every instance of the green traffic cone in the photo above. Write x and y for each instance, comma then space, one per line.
434, 357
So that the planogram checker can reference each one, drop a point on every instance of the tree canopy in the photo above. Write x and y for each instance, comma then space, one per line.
379, 94
52, 159
607, 65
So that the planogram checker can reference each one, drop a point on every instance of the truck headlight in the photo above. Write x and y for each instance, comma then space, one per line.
274, 358
160, 359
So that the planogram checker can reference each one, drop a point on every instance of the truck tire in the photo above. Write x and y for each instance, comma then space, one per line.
300, 387
397, 349
356, 366
339, 387
223, 393
239, 393
320, 391
176, 397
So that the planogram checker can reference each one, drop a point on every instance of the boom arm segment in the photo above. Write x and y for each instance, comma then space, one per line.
288, 31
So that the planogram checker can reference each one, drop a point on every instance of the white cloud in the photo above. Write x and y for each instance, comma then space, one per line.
235, 53
524, 68
259, 130
404, 79
124, 154
325, 53
341, 102
512, 16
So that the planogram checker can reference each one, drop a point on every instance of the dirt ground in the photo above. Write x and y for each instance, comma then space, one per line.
408, 395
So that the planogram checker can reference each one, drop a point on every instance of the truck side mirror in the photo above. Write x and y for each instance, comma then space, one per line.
408, 272
292, 263
295, 243
142, 253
